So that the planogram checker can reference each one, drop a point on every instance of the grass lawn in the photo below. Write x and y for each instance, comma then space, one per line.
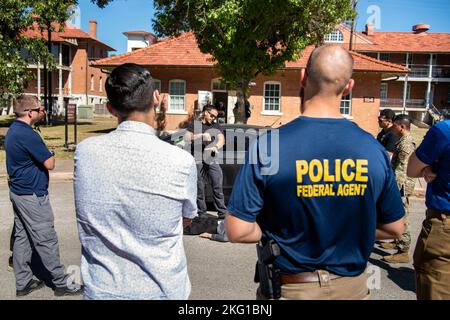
54, 136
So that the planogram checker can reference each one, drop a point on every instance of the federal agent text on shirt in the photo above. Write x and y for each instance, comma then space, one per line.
334, 192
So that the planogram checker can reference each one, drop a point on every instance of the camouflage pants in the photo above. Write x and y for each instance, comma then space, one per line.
404, 243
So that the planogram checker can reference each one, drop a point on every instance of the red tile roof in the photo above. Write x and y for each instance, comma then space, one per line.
69, 32
406, 42
362, 63
183, 51
138, 32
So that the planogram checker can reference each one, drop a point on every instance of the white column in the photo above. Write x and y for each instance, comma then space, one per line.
39, 80
428, 96
430, 70
70, 72
405, 84
60, 82
405, 89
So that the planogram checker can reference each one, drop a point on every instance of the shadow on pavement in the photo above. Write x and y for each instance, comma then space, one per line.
404, 277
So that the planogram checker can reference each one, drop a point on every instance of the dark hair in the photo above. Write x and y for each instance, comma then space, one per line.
388, 114
209, 108
404, 120
130, 88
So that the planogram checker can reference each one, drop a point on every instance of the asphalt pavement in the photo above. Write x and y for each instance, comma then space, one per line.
218, 271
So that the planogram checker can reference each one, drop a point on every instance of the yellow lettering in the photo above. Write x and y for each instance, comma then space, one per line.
361, 170
339, 192
330, 190
337, 170
363, 189
321, 190
313, 176
348, 177
326, 175
302, 169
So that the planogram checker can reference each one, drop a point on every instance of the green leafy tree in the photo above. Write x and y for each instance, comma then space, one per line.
250, 37
17, 50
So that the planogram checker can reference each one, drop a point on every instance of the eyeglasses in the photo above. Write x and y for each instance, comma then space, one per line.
35, 109
213, 116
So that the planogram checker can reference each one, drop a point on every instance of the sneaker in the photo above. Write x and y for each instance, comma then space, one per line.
388, 245
66, 291
30, 287
399, 257
10, 267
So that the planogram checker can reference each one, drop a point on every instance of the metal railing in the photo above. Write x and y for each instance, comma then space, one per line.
398, 103
423, 71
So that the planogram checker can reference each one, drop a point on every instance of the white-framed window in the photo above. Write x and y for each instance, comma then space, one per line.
346, 105
157, 86
383, 91
272, 96
384, 56
335, 36
218, 86
100, 84
177, 90
92, 82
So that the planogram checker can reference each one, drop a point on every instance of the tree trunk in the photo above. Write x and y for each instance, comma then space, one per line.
50, 79
239, 110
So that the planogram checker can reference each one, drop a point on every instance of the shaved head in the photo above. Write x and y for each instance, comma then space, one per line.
329, 69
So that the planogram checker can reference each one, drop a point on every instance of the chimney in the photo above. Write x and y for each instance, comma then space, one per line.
421, 27
369, 29
93, 28
152, 39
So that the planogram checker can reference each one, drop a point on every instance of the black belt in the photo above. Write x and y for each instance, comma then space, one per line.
431, 213
305, 277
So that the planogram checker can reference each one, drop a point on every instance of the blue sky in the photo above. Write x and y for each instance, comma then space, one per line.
389, 15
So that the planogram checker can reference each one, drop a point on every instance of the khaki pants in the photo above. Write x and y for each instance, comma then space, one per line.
344, 288
432, 258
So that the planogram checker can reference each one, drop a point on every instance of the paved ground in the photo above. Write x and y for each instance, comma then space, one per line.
218, 271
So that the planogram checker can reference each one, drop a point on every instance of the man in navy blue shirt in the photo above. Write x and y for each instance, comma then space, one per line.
28, 161
333, 194
432, 254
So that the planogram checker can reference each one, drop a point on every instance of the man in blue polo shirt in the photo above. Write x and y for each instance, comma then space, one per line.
432, 254
28, 161
333, 194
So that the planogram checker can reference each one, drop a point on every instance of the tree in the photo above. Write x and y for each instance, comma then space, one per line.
17, 50
250, 37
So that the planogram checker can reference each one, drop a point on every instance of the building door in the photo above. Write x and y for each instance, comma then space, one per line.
220, 99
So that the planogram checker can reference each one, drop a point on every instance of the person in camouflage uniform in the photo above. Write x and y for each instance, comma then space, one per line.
404, 148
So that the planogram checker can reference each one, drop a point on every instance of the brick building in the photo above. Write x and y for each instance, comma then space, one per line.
186, 75
426, 54
75, 81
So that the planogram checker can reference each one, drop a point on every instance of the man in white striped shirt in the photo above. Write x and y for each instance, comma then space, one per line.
132, 194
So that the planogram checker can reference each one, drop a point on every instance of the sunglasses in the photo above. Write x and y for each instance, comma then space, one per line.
212, 115
35, 109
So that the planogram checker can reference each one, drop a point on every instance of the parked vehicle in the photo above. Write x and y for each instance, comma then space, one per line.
238, 138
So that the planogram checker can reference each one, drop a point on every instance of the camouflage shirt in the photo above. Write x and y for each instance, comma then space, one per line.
404, 148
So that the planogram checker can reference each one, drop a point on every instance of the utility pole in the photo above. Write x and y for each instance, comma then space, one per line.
50, 78
355, 2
